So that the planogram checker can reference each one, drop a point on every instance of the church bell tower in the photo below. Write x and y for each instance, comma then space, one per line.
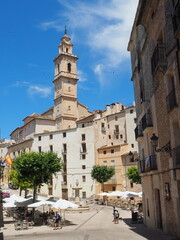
65, 85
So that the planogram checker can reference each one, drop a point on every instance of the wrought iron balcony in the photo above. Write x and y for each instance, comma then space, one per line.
146, 121
149, 164
176, 156
138, 132
176, 19
171, 100
116, 131
158, 59
142, 166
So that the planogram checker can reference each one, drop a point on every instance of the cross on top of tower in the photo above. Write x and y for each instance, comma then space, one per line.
65, 30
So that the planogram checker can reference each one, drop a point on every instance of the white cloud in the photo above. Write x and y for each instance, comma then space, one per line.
99, 70
20, 84
41, 91
81, 76
103, 25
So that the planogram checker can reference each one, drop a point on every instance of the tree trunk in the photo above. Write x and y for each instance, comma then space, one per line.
102, 187
34, 199
25, 190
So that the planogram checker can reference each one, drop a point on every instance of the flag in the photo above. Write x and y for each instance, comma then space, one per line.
8, 159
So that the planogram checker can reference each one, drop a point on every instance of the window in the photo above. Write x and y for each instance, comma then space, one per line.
83, 147
116, 118
117, 128
69, 67
83, 178
112, 163
83, 166
104, 152
104, 163
58, 68
39, 138
83, 194
102, 125
69, 108
51, 148
83, 125
83, 156
132, 145
131, 184
121, 136
112, 150
67, 50
50, 136
69, 89
64, 158
109, 136
65, 147
131, 111
39, 149
113, 188
83, 137
64, 134
50, 191
108, 126
117, 136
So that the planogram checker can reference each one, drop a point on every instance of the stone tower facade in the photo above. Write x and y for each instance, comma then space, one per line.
65, 86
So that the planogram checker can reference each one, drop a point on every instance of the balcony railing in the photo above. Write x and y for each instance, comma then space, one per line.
138, 131
149, 164
142, 166
147, 121
116, 131
171, 100
158, 58
176, 156
176, 19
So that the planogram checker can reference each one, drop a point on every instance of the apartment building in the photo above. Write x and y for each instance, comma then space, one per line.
154, 47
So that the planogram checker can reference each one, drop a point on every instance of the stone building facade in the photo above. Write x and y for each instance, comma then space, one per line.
76, 134
154, 47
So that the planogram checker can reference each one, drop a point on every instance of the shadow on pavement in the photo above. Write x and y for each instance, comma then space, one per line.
146, 232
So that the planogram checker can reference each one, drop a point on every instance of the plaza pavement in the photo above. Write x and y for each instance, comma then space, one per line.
95, 224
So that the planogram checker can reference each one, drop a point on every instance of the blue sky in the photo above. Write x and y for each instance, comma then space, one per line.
30, 34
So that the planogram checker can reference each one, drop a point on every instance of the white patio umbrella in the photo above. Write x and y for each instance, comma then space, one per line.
64, 204
128, 194
10, 204
14, 197
115, 194
140, 194
40, 203
102, 194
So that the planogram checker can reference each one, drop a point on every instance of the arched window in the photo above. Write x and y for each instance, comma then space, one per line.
69, 67
67, 50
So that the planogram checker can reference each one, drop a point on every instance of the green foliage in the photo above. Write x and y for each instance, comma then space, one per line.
14, 178
133, 175
102, 173
37, 168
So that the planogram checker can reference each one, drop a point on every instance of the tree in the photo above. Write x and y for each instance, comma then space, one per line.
102, 174
133, 175
16, 182
36, 168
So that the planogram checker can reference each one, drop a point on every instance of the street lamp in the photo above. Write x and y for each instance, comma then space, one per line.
131, 156
166, 148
